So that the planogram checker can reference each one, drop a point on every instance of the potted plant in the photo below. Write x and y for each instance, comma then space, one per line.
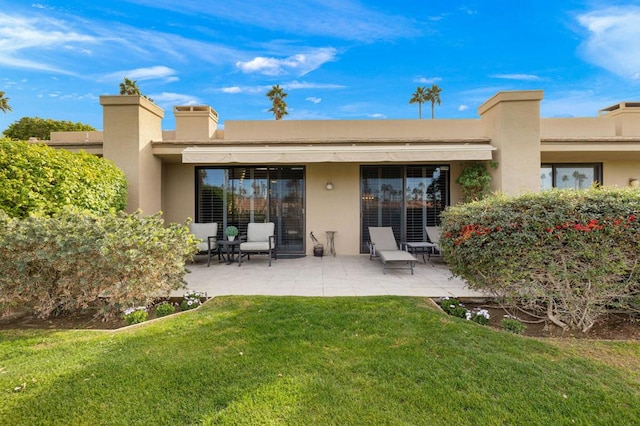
231, 232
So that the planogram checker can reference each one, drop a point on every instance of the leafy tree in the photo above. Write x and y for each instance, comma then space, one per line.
36, 127
37, 179
129, 87
433, 95
4, 103
419, 97
276, 95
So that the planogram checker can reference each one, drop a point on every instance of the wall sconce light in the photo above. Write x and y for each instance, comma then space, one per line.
634, 182
329, 186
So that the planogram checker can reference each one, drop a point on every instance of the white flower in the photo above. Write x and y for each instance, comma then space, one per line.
190, 302
467, 315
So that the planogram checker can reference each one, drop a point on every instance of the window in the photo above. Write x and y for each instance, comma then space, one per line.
570, 176
240, 195
405, 198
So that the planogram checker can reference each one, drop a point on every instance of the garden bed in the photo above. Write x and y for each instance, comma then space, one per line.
83, 320
612, 327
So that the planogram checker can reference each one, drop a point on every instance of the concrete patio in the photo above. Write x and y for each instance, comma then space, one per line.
323, 276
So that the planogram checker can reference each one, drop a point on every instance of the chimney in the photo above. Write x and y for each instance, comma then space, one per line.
195, 122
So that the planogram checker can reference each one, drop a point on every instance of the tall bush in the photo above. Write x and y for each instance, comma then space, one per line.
74, 260
569, 256
37, 179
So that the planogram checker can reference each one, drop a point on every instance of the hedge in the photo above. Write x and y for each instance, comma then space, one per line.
37, 179
567, 256
75, 260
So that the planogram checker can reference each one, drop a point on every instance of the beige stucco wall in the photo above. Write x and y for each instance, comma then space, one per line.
178, 192
618, 173
350, 129
130, 124
335, 210
512, 121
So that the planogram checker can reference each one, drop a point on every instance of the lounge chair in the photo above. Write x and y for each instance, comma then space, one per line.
383, 244
206, 232
260, 240
433, 232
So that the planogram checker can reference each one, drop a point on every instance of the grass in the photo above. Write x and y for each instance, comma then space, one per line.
337, 361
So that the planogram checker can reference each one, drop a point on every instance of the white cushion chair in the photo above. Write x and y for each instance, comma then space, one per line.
206, 233
260, 240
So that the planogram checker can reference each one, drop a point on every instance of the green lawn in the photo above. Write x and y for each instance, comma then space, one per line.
307, 361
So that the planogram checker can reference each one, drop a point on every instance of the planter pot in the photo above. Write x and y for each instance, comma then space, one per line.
231, 237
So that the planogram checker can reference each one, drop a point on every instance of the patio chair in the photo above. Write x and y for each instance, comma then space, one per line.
382, 244
433, 232
260, 240
206, 232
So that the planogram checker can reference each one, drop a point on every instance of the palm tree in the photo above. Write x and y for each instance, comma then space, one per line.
433, 95
129, 87
276, 95
4, 103
419, 97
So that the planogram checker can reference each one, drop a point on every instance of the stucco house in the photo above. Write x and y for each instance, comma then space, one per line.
347, 175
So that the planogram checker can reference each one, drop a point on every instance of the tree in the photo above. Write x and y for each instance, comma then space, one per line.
433, 95
37, 179
36, 127
419, 97
129, 87
4, 103
279, 107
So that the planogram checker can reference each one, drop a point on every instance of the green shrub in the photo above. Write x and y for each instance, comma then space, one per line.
566, 254
480, 316
135, 315
164, 309
37, 179
512, 325
453, 307
74, 260
191, 300
41, 128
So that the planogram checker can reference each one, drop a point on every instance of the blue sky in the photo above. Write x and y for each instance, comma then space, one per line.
337, 59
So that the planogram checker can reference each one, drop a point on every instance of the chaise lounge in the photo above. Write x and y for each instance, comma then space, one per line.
382, 244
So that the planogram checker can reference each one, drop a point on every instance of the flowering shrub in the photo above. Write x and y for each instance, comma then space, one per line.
481, 316
135, 315
568, 255
454, 308
192, 299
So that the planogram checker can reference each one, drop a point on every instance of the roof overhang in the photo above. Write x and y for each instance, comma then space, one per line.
336, 154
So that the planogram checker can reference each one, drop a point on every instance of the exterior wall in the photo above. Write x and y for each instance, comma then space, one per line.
178, 192
618, 173
130, 124
512, 121
577, 127
278, 130
335, 210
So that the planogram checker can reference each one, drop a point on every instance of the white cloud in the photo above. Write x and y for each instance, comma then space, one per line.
313, 99
612, 41
231, 89
306, 85
149, 73
343, 19
299, 64
427, 80
168, 98
463, 108
377, 115
522, 77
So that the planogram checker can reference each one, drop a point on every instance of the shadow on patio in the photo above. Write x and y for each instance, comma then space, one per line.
323, 276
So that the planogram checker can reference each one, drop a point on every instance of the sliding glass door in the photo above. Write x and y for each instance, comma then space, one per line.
240, 195
405, 198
